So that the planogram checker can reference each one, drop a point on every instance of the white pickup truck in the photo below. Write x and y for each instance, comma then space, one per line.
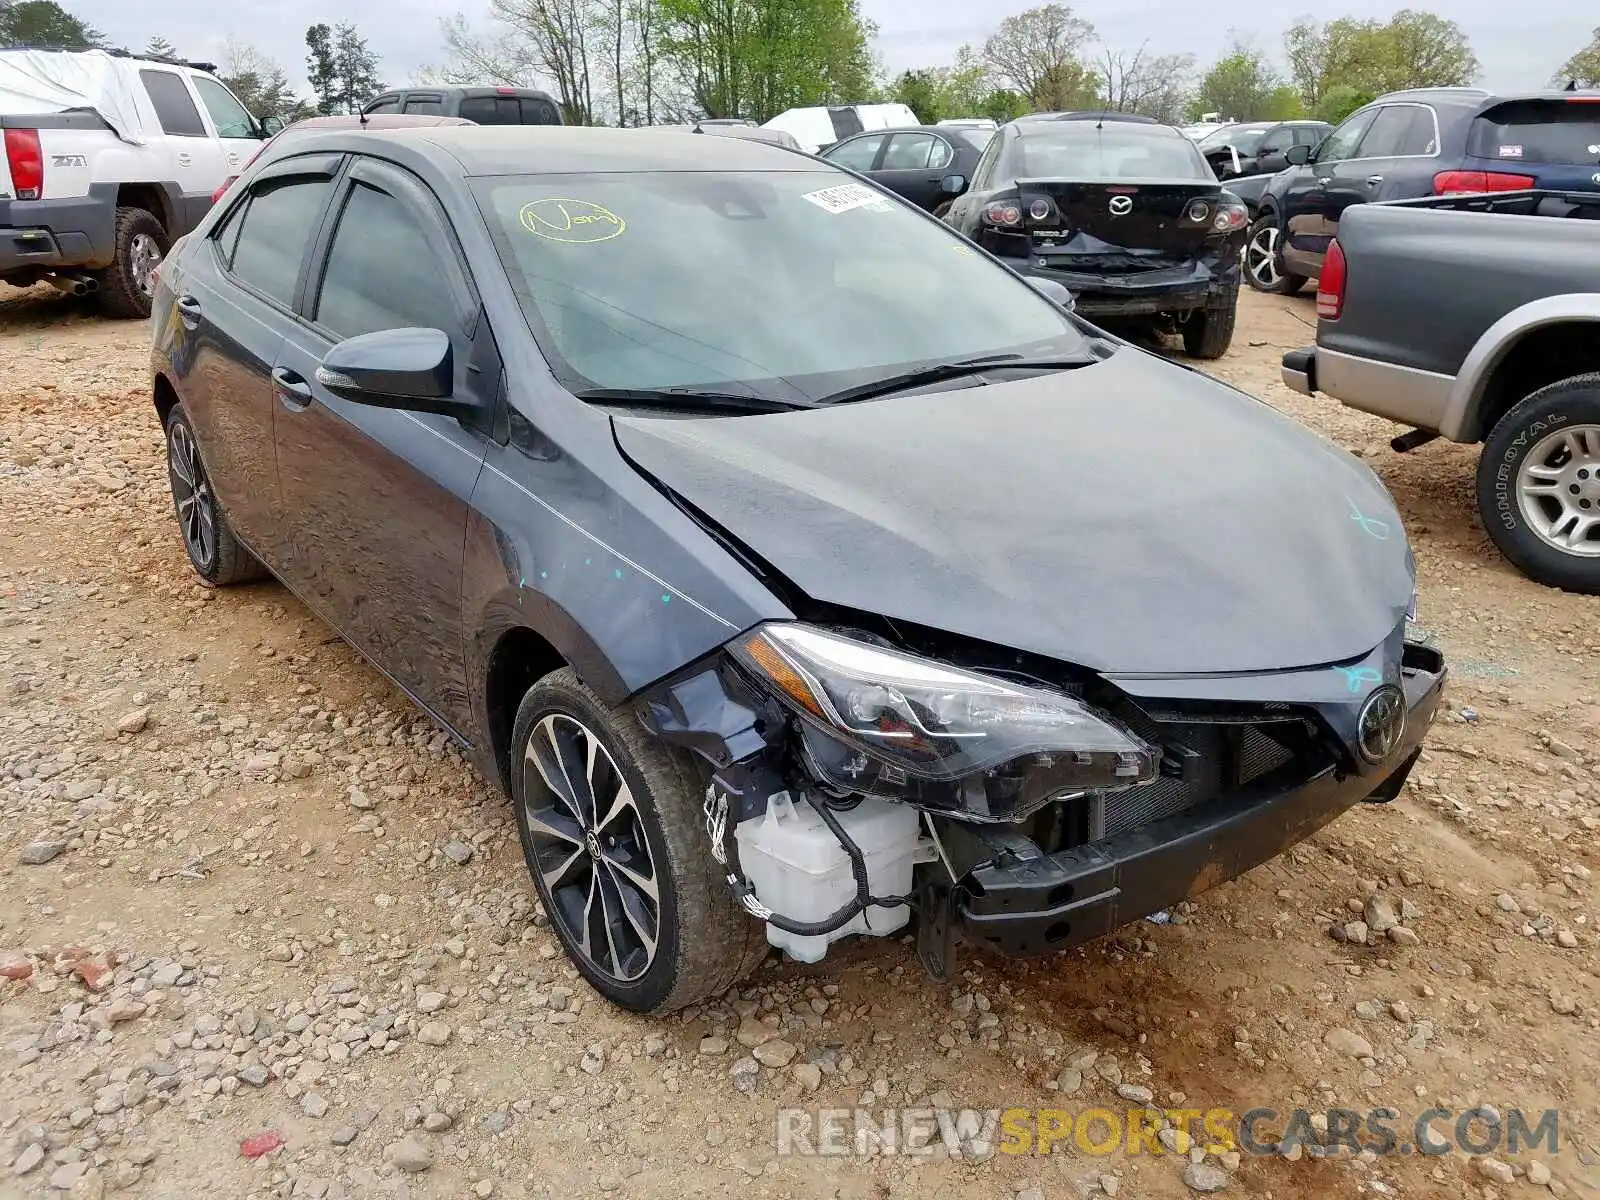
109, 158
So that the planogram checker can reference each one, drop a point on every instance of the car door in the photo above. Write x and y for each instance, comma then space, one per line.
237, 130
913, 164
1384, 166
424, 104
198, 165
1309, 213
376, 498
858, 153
235, 304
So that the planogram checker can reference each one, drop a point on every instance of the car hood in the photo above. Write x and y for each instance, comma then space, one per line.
1131, 517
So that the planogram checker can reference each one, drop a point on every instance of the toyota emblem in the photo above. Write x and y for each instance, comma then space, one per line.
1121, 206
1381, 724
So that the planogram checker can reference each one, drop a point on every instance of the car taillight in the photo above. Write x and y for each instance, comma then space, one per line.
1330, 283
226, 184
1230, 218
26, 161
1458, 183
1003, 212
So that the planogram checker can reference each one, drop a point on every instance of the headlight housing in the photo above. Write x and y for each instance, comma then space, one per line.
881, 722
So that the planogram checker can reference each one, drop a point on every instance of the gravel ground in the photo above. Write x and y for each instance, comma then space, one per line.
262, 932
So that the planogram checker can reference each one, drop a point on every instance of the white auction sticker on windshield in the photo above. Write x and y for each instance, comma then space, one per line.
844, 197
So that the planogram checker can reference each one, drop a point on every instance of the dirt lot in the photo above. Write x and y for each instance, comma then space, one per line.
273, 902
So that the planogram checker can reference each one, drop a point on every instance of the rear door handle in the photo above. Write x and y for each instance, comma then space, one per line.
293, 391
189, 311
1374, 180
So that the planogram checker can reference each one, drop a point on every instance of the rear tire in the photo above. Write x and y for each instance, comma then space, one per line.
1263, 260
699, 943
1209, 331
1528, 506
218, 557
942, 209
126, 286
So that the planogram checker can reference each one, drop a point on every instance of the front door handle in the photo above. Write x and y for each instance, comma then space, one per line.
189, 312
294, 393
1374, 180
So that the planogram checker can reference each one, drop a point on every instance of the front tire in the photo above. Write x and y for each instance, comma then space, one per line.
218, 557
1539, 485
1209, 331
127, 286
1263, 260
612, 832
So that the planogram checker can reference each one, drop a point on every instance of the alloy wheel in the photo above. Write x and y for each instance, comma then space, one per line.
144, 256
1261, 258
1558, 490
192, 496
591, 851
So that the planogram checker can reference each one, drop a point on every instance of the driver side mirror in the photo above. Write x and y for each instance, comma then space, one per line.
408, 369
953, 185
1053, 291
1297, 156
273, 126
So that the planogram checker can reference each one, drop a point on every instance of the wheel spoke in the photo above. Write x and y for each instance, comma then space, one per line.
556, 876
551, 823
644, 883
542, 746
621, 803
585, 938
607, 920
1541, 471
640, 920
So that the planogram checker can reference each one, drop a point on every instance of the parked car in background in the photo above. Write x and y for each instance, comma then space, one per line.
930, 165
818, 128
1258, 148
973, 123
323, 124
480, 105
698, 592
109, 159
739, 129
1406, 145
1477, 319
1123, 212
740, 121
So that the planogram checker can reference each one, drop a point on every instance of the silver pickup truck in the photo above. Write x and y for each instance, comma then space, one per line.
1477, 319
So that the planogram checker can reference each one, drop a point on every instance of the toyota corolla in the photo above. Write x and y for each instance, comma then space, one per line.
795, 567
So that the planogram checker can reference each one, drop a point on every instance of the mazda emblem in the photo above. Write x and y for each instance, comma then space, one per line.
1121, 206
1382, 724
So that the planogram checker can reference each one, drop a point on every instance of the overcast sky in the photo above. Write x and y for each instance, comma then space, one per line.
1519, 44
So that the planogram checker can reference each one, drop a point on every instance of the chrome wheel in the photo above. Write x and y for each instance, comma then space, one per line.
590, 850
144, 256
191, 496
1558, 490
1261, 258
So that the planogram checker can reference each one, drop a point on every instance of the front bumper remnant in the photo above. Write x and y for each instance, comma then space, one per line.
1022, 904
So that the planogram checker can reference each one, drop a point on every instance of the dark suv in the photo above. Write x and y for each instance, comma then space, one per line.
1406, 145
480, 105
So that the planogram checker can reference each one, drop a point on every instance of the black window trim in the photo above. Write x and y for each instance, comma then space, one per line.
927, 133
313, 165
408, 189
1438, 141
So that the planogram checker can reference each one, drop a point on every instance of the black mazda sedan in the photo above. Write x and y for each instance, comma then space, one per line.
903, 594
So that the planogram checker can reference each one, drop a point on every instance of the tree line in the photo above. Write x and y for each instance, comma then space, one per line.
646, 62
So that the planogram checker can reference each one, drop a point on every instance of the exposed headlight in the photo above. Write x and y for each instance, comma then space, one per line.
880, 722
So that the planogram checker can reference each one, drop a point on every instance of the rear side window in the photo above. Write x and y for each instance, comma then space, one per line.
274, 232
539, 112
492, 110
1309, 135
174, 106
383, 271
1399, 131
1538, 131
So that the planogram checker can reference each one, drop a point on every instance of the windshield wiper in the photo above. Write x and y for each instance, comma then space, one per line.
938, 372
689, 398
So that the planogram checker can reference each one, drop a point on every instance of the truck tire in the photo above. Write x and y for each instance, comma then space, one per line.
692, 942
1263, 260
1539, 485
1209, 331
126, 287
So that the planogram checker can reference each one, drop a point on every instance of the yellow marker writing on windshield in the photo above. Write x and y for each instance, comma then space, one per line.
563, 219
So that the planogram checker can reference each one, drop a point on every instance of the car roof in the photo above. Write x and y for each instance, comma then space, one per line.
1144, 125
945, 131
376, 121
562, 149
1109, 115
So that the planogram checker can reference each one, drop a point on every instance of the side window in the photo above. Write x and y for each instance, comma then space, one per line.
539, 112
427, 106
1309, 135
858, 153
908, 152
227, 114
227, 233
1342, 142
942, 154
274, 231
1276, 142
389, 105
490, 110
174, 106
983, 173
383, 270
1400, 129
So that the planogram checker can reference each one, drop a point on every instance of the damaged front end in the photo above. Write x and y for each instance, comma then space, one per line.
1019, 808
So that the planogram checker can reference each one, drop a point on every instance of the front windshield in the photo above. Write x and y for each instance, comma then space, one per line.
789, 284
1244, 138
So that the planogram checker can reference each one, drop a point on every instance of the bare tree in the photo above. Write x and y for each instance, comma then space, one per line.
1153, 85
537, 40
1040, 50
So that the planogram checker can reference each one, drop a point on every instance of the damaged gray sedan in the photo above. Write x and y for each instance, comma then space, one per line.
799, 571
